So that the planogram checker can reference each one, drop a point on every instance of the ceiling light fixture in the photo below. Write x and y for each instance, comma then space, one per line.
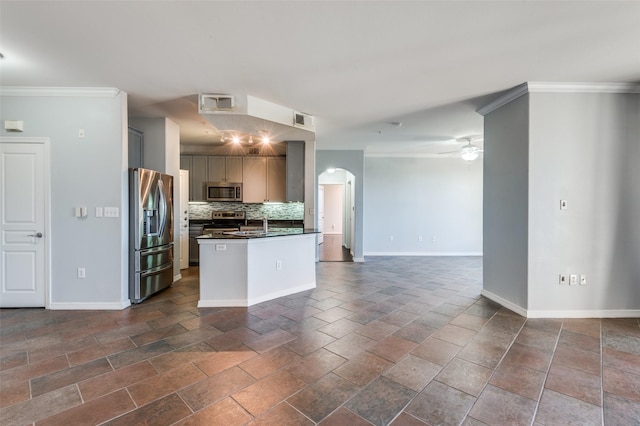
396, 123
331, 170
250, 139
469, 153
235, 139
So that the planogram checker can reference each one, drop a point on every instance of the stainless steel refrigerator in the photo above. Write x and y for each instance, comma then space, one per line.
151, 233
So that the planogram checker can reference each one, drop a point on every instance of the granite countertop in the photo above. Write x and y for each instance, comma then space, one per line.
278, 232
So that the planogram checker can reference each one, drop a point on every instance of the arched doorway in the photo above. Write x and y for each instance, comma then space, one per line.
335, 215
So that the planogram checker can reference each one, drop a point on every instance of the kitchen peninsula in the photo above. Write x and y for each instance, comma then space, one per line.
246, 268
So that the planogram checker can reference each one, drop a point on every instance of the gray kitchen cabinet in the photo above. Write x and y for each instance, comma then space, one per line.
295, 171
136, 145
264, 179
225, 169
276, 179
198, 176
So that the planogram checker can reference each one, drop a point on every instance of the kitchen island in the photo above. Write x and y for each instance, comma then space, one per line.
246, 268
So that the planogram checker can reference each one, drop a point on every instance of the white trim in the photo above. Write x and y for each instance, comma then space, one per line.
227, 303
406, 155
106, 92
89, 306
358, 259
423, 253
586, 313
177, 277
504, 302
502, 100
557, 87
573, 313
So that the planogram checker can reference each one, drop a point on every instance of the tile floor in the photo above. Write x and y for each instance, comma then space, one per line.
401, 341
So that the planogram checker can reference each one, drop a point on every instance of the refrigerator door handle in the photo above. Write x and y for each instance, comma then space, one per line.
162, 207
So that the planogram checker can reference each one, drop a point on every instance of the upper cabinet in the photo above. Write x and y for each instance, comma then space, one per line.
225, 169
264, 179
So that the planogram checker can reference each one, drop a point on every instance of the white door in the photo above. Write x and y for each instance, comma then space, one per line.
320, 214
23, 221
184, 219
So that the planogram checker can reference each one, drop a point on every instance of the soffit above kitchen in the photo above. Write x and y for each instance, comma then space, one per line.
355, 66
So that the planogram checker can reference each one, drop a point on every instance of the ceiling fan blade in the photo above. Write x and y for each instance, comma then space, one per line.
449, 152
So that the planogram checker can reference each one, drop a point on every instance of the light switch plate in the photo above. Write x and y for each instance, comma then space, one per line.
111, 212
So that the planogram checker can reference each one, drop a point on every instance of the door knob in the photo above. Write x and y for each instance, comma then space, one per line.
38, 235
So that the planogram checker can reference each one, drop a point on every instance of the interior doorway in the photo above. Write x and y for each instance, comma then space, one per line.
335, 219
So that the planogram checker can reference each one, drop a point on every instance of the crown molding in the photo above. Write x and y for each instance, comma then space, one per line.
554, 87
95, 92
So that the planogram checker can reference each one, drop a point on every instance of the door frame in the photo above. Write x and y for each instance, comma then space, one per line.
47, 205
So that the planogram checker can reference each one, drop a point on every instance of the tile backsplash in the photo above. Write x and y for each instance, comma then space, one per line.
284, 211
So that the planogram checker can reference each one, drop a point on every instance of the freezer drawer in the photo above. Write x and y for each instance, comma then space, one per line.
153, 257
149, 282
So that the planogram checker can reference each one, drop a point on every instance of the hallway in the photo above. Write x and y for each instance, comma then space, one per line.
332, 250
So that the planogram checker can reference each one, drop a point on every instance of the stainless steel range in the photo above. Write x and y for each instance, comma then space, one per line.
225, 222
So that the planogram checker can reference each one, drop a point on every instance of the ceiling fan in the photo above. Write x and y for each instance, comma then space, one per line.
468, 152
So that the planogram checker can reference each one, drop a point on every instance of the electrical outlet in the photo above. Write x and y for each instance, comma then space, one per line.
278, 265
563, 205
562, 279
111, 212
420, 239
573, 279
390, 237
81, 133
583, 279
82, 273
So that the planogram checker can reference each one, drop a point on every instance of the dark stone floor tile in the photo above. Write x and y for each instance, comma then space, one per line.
487, 354
93, 412
262, 395
579, 341
620, 411
575, 383
340, 328
588, 326
103, 384
535, 337
439, 404
437, 351
309, 342
363, 368
621, 383
232, 339
559, 409
415, 332
163, 384
60, 379
220, 361
167, 410
321, 398
586, 361
624, 361
465, 376
268, 362
344, 417
215, 388
497, 406
315, 365
133, 356
377, 329
282, 414
270, 340
350, 345
226, 412
528, 356
520, 380
405, 419
453, 334
380, 401
413, 372
392, 348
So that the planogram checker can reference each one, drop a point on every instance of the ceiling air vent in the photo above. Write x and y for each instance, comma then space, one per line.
211, 103
303, 121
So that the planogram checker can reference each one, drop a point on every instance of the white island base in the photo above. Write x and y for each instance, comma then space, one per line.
247, 271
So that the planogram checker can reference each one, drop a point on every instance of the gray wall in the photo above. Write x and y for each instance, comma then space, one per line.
89, 172
438, 199
575, 145
584, 148
161, 152
505, 205
353, 161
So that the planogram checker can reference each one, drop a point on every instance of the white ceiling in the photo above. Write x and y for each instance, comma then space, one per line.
356, 66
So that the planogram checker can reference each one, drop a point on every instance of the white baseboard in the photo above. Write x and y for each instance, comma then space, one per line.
358, 259
89, 306
423, 253
504, 302
177, 277
573, 313
227, 303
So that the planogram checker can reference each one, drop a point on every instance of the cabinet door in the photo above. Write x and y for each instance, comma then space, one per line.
234, 169
217, 169
136, 143
254, 173
295, 171
199, 175
276, 179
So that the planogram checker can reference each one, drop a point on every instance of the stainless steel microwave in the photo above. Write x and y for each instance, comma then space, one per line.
223, 191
